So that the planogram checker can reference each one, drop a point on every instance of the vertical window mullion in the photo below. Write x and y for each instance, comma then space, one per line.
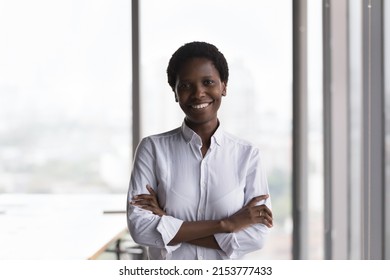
336, 129
136, 74
386, 18
373, 124
327, 131
299, 177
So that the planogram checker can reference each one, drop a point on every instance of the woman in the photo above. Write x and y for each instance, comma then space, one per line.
197, 192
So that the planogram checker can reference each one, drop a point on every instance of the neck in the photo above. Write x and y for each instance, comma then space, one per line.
205, 130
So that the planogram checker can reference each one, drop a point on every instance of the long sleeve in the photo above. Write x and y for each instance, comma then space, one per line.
193, 188
145, 227
236, 245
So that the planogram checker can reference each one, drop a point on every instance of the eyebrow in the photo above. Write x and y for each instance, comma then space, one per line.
203, 77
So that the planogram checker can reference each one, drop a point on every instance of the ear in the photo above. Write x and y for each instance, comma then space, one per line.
224, 88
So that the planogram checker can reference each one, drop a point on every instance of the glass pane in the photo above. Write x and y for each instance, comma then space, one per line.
355, 125
256, 38
65, 96
315, 131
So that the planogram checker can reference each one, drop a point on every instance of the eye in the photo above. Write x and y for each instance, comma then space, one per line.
208, 82
184, 86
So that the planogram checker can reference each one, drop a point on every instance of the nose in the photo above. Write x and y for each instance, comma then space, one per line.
198, 91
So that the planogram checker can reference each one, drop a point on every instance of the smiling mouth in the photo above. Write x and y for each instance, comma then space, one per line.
200, 106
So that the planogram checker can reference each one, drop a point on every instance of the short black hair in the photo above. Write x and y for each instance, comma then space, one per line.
196, 50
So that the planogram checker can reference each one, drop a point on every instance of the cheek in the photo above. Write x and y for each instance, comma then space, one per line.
183, 108
217, 104
180, 100
182, 97
218, 97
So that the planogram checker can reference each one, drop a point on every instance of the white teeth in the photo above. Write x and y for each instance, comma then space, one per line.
200, 106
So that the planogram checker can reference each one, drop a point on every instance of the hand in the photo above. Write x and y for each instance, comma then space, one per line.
249, 215
148, 202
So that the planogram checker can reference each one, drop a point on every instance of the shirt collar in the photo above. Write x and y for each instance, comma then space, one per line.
190, 135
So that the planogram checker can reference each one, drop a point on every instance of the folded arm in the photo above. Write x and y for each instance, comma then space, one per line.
202, 233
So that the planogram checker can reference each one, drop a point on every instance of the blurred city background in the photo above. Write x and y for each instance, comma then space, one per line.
66, 100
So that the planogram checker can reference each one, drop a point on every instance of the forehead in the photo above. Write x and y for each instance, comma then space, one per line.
197, 67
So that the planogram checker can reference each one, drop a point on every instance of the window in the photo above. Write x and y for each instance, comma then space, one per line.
65, 96
355, 123
258, 103
315, 132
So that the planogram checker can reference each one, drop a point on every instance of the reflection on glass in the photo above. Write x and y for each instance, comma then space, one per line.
256, 38
64, 96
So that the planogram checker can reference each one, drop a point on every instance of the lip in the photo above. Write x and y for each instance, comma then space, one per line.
200, 105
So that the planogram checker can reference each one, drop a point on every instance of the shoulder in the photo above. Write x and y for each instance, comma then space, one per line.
168, 134
234, 140
242, 148
160, 138
150, 145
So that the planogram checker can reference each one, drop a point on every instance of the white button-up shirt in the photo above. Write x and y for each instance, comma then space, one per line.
191, 187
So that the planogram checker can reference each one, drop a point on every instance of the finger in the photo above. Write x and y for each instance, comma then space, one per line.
143, 202
268, 218
154, 210
142, 196
262, 214
139, 202
255, 200
150, 208
150, 203
147, 207
263, 208
150, 190
265, 219
266, 210
262, 197
267, 223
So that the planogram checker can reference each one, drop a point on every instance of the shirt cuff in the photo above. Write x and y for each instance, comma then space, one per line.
168, 228
228, 244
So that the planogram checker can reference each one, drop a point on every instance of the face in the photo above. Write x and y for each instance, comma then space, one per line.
199, 91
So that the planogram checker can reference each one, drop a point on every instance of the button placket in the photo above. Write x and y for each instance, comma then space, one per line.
203, 198
203, 189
